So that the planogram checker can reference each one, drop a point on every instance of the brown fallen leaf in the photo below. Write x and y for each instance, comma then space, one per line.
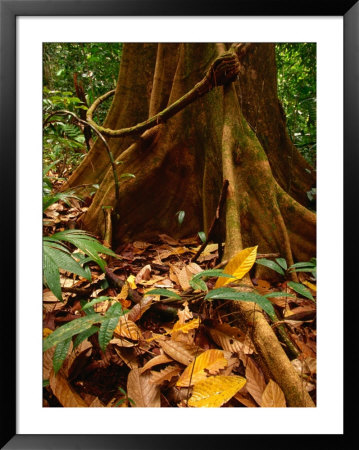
165, 374
128, 356
273, 396
144, 274
64, 392
231, 339
141, 391
255, 380
160, 359
127, 329
245, 399
179, 351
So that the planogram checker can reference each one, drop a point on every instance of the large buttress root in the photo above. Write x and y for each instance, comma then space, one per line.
272, 356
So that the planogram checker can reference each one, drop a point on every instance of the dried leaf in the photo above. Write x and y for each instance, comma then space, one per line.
140, 308
128, 356
182, 276
211, 361
144, 274
273, 396
215, 391
142, 391
165, 374
160, 359
239, 265
255, 381
128, 329
131, 281
185, 327
245, 399
231, 339
180, 351
184, 314
64, 393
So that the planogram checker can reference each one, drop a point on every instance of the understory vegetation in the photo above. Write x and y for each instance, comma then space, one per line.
173, 319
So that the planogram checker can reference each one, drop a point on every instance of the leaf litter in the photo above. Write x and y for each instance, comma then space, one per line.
166, 352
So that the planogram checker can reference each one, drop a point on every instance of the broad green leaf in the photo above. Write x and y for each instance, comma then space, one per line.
231, 294
164, 292
301, 289
64, 261
198, 283
61, 351
84, 335
239, 265
282, 262
88, 244
270, 264
95, 301
52, 276
70, 329
109, 324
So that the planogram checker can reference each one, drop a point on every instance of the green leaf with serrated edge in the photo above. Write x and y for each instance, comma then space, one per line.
164, 292
70, 329
282, 262
231, 294
278, 294
198, 283
109, 324
84, 335
270, 264
202, 236
94, 301
61, 351
301, 289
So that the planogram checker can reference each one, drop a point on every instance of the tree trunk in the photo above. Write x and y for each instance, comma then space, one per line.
235, 131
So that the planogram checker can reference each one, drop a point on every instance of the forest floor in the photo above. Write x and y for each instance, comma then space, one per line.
164, 351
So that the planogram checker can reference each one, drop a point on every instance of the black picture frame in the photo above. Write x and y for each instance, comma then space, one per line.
9, 10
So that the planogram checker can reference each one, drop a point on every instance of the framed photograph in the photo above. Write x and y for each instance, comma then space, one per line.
160, 170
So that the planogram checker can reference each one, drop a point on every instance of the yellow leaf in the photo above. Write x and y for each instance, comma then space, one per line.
124, 292
310, 285
185, 327
131, 281
273, 396
238, 266
215, 391
46, 332
211, 361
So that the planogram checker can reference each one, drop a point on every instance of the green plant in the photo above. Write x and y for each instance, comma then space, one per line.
281, 267
57, 255
83, 328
